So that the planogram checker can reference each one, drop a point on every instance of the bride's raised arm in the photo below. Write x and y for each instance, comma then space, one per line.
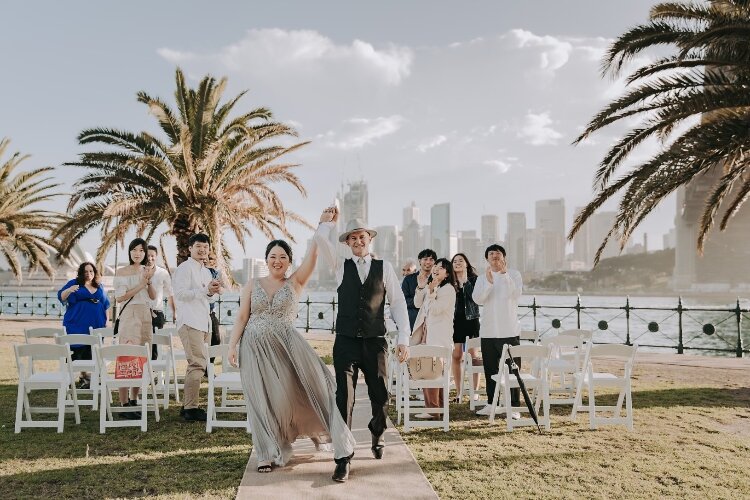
305, 270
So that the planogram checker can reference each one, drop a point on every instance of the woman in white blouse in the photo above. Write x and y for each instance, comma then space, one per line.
437, 303
134, 292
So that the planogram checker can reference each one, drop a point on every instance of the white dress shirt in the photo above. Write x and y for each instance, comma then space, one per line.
162, 283
390, 280
500, 301
190, 285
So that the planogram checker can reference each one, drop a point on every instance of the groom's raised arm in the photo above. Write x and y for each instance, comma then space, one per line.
326, 249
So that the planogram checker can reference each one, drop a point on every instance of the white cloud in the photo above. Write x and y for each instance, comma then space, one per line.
554, 52
502, 166
431, 143
306, 52
363, 131
537, 130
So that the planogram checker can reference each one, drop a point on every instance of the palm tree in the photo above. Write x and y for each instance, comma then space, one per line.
211, 174
22, 228
695, 100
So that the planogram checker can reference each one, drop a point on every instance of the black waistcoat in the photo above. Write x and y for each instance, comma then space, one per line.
361, 305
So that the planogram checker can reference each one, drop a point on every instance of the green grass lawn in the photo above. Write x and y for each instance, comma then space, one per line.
691, 440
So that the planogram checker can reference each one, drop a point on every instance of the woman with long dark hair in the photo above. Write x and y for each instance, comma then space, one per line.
466, 319
86, 307
437, 303
134, 292
289, 390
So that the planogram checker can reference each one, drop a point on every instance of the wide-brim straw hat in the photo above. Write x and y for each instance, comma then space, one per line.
353, 226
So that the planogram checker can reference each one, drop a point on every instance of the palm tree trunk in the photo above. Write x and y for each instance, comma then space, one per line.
182, 231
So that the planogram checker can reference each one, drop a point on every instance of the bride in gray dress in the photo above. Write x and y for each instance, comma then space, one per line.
290, 391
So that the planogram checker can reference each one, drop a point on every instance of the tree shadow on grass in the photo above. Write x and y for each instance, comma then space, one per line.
171, 433
187, 475
699, 397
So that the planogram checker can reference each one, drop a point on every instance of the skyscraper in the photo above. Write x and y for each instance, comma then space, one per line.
440, 222
490, 229
550, 235
470, 244
385, 244
355, 203
411, 213
581, 243
515, 244
599, 225
411, 242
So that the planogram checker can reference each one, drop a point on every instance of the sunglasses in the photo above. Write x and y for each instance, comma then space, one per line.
93, 301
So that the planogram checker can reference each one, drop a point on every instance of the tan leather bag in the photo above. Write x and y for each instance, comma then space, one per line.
423, 367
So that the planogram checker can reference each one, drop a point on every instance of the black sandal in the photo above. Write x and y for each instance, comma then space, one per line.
264, 468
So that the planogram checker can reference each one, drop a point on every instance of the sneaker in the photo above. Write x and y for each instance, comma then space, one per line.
129, 415
194, 415
484, 411
425, 416
515, 415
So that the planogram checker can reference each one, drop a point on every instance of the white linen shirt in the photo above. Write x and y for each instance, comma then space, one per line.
162, 283
190, 285
393, 293
500, 301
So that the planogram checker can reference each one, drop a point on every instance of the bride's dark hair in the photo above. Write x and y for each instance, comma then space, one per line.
279, 243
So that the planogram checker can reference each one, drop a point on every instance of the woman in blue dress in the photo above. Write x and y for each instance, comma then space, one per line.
86, 306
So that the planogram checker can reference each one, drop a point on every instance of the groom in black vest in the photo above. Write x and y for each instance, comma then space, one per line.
364, 284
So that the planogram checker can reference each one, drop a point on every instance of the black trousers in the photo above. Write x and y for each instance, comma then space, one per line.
350, 356
492, 350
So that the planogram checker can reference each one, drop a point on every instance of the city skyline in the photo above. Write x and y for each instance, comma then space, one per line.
372, 95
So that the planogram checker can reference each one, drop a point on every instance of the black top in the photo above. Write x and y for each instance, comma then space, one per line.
361, 305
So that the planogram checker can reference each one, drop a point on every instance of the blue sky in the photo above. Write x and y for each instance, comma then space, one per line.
472, 103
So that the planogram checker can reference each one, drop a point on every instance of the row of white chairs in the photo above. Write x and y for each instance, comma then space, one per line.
160, 377
555, 371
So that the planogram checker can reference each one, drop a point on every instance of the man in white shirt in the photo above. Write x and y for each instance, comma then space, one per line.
194, 288
498, 290
162, 282
364, 284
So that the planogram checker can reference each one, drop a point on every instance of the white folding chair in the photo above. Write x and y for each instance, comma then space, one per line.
442, 382
567, 364
476, 396
621, 354
531, 336
163, 367
533, 358
107, 356
84, 365
30, 379
31, 334
227, 380
584, 335
106, 335
391, 364
178, 354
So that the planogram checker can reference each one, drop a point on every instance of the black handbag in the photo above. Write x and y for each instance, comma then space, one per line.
117, 321
158, 319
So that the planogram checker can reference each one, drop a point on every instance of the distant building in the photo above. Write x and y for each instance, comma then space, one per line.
490, 230
725, 264
411, 213
254, 268
669, 240
470, 244
516, 242
411, 242
385, 244
550, 235
581, 245
440, 222
355, 203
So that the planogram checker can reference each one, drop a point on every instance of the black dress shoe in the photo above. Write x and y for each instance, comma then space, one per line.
194, 415
378, 446
341, 474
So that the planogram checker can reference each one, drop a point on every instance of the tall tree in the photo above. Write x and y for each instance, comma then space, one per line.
696, 100
213, 173
24, 231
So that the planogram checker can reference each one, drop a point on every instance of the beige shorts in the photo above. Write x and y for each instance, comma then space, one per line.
135, 325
